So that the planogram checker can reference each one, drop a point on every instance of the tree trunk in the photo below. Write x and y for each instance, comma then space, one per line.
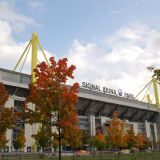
73, 154
118, 154
59, 141
20, 154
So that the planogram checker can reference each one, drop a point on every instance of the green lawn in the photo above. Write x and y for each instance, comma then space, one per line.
135, 156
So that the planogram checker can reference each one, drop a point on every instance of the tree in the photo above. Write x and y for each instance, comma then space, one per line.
19, 142
140, 139
54, 101
158, 142
100, 141
147, 143
116, 132
73, 136
85, 138
3, 141
43, 138
55, 144
108, 141
156, 72
7, 116
130, 138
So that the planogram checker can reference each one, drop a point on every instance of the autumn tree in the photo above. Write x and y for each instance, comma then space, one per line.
100, 141
116, 132
156, 72
147, 143
3, 141
19, 141
54, 101
73, 136
130, 138
85, 138
7, 116
108, 141
158, 142
140, 139
43, 138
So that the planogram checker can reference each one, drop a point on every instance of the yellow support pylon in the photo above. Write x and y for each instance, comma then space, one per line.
154, 81
149, 99
34, 55
35, 43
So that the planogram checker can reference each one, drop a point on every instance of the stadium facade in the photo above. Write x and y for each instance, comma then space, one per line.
95, 108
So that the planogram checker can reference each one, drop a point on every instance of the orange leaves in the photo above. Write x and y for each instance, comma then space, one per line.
119, 139
54, 101
3, 141
7, 115
3, 95
116, 132
140, 140
73, 136
99, 141
130, 138
20, 141
56, 71
100, 137
43, 137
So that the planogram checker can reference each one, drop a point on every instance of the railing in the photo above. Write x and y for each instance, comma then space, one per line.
93, 156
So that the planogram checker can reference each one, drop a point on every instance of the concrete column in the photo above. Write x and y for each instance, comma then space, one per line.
158, 123
92, 125
103, 121
135, 128
9, 104
156, 132
29, 131
0, 75
147, 128
28, 134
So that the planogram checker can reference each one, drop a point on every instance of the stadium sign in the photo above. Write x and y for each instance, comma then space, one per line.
106, 90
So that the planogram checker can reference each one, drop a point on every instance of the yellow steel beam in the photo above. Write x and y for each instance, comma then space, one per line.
143, 89
43, 53
34, 42
146, 91
25, 58
22, 56
34, 55
154, 81
149, 99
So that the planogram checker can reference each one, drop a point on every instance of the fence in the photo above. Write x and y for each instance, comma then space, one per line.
97, 156
21, 156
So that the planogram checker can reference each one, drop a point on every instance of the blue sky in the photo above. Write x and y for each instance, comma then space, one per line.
111, 42
62, 21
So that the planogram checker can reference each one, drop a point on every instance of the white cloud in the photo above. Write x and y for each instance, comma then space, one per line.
133, 48
10, 50
18, 21
12, 21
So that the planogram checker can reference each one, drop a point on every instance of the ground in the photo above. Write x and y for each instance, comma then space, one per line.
114, 156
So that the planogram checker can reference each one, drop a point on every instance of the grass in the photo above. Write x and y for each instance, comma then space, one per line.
114, 156
135, 156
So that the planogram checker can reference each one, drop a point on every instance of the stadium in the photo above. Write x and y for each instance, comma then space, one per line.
95, 108
96, 104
